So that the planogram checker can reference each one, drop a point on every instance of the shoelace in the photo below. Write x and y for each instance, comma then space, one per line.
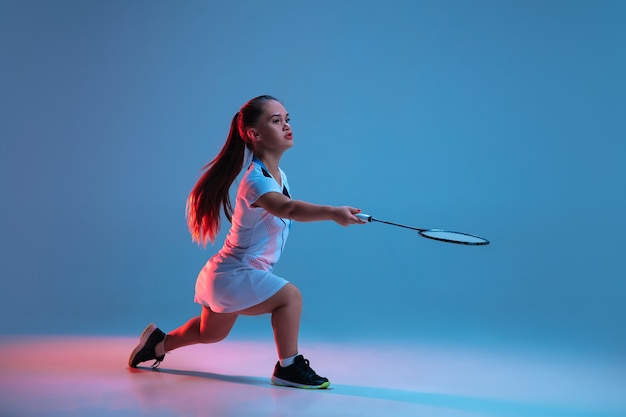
306, 368
158, 360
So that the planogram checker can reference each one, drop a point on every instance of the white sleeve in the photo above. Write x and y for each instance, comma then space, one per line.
256, 184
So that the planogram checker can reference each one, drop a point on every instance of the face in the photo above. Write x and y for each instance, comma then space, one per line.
273, 131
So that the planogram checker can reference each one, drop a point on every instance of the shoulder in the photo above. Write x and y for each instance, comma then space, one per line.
255, 173
256, 183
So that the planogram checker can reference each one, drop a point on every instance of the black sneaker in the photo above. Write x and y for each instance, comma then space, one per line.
145, 350
299, 375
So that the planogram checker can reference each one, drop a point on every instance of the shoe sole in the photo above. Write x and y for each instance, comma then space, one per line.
285, 383
143, 339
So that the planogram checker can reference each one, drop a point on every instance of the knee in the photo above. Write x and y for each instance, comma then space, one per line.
293, 296
212, 336
215, 328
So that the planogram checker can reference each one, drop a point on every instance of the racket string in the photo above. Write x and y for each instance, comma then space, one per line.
453, 237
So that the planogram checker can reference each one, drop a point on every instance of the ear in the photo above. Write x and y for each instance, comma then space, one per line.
253, 134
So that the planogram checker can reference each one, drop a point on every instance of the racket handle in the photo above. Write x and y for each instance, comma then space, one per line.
363, 217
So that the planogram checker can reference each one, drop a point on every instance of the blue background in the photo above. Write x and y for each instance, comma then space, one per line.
503, 119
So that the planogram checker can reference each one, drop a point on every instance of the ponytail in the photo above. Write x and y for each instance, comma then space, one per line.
210, 194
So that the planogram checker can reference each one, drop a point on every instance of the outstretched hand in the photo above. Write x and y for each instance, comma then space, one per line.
345, 216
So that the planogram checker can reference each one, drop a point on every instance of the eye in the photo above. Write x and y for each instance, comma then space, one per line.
287, 120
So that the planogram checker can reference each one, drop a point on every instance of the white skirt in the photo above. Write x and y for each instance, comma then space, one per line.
228, 286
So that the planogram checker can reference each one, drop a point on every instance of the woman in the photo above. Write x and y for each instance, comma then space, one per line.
238, 280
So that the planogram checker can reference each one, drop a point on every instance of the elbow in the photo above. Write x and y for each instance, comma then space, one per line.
290, 211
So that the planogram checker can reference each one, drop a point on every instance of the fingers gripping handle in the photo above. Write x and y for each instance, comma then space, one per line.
363, 217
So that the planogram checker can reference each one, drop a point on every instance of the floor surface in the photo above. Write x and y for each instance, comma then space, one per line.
88, 376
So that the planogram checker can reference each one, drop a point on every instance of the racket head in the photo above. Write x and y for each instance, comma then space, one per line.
453, 237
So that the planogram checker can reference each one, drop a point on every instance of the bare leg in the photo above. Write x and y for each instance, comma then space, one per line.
210, 327
285, 307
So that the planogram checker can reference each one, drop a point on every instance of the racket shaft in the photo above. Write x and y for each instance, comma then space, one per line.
397, 224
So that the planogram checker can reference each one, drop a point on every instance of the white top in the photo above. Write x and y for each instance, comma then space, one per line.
256, 235
239, 275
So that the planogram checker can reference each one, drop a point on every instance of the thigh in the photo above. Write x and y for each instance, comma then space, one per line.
289, 294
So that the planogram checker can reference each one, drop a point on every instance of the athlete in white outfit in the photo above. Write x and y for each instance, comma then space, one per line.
240, 274
238, 280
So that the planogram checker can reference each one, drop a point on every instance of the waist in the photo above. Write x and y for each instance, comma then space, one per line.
224, 260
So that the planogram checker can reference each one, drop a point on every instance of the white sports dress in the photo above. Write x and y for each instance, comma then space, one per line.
240, 274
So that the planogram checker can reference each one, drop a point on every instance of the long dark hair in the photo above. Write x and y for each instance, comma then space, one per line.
210, 194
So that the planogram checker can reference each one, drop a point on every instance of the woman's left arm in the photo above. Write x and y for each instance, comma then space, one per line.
281, 206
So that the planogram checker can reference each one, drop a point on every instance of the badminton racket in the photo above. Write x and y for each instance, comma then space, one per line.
436, 234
